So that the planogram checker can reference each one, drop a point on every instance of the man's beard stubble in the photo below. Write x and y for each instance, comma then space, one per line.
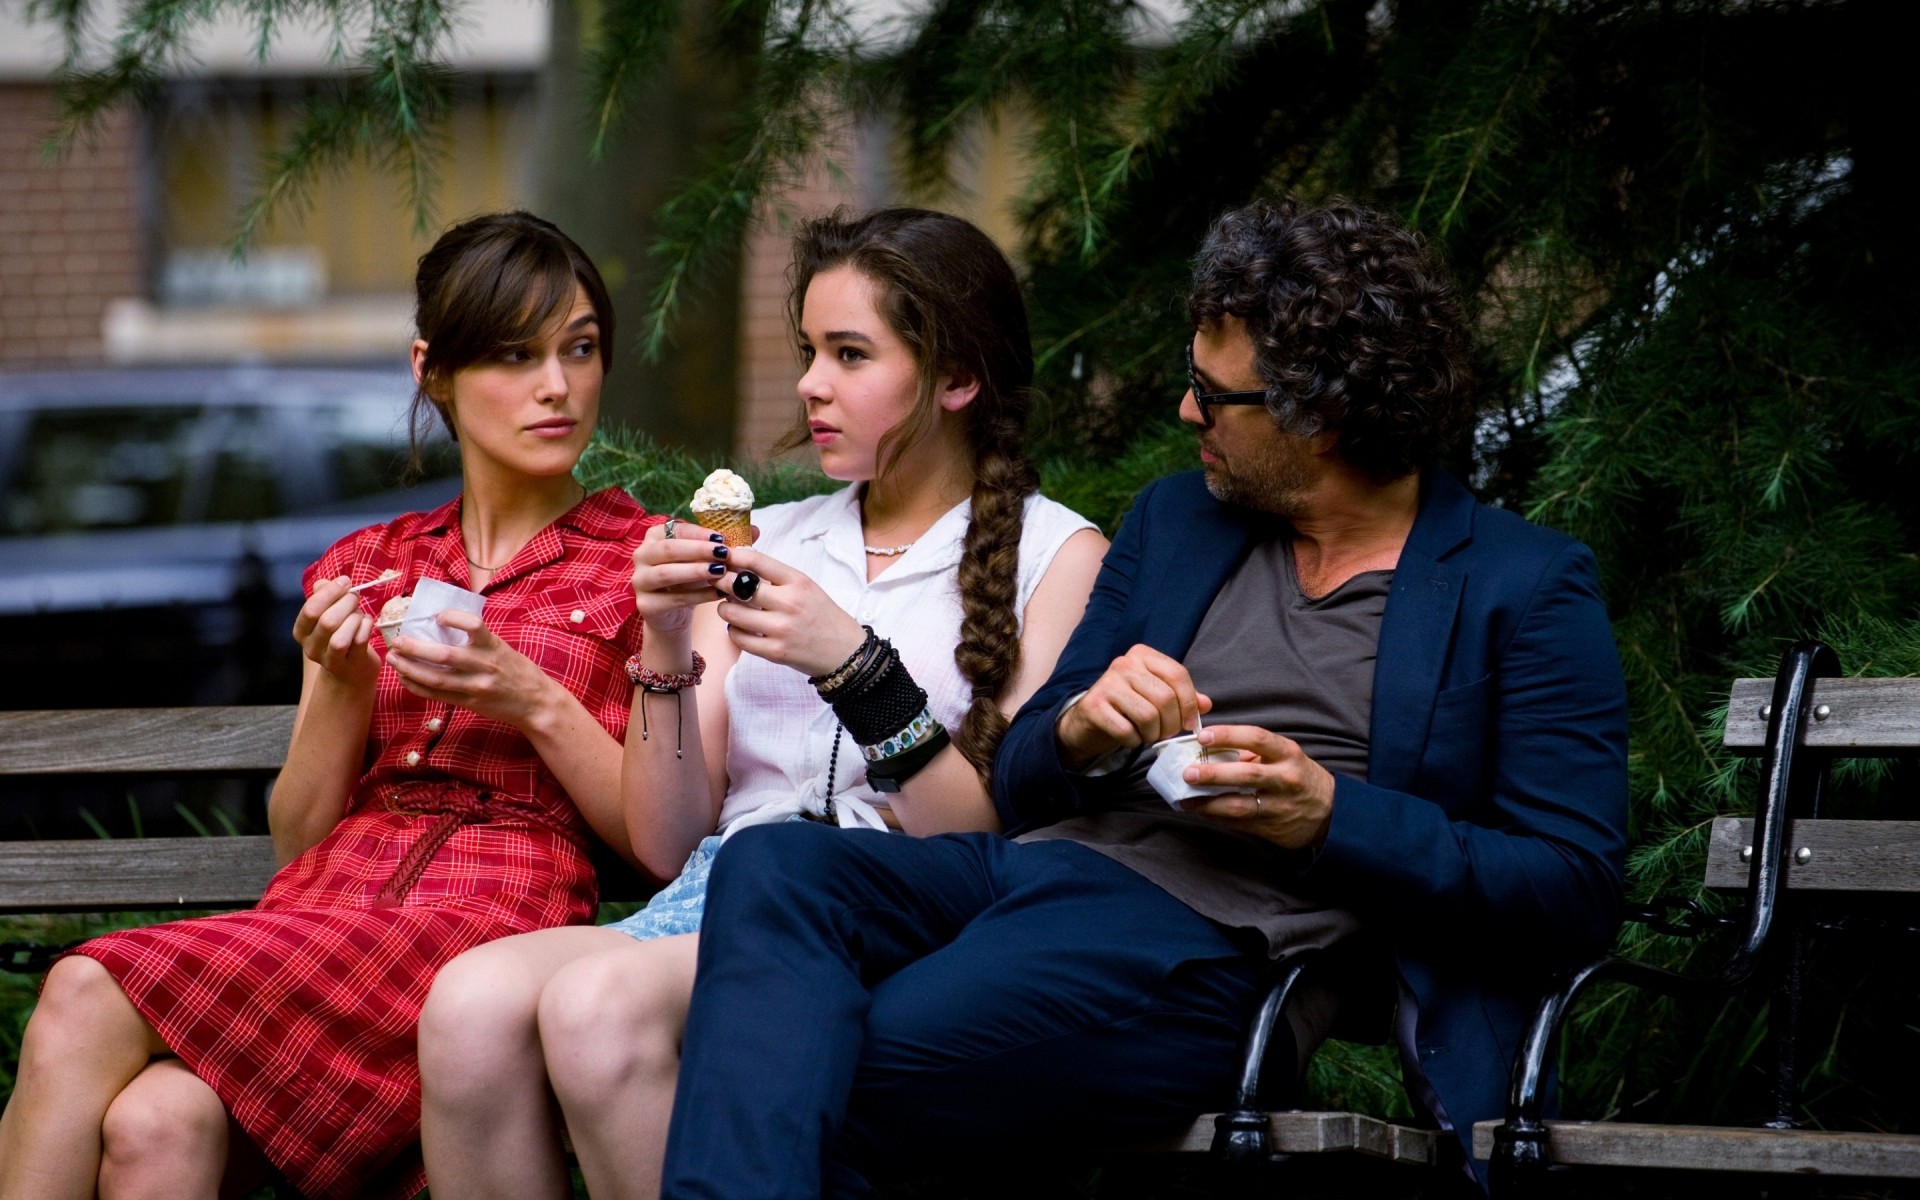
1274, 479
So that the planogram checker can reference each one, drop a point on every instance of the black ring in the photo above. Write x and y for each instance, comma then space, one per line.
745, 584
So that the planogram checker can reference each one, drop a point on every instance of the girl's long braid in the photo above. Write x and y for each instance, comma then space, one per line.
989, 650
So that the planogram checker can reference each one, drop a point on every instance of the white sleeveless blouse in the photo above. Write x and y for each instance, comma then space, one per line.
780, 734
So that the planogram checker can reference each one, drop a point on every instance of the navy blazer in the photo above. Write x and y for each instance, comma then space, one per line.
1488, 840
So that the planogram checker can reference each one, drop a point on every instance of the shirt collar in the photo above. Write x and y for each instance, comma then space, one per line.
606, 515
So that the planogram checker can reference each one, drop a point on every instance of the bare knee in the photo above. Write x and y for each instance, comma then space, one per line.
81, 1006
609, 1023
165, 1125
477, 1019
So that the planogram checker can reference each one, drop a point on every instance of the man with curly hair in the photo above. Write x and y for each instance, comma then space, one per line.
1416, 726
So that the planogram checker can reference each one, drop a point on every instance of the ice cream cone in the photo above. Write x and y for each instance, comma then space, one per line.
724, 504
734, 525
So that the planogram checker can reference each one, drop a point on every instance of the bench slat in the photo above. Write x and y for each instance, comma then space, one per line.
1716, 1148
145, 741
1869, 716
1314, 1133
133, 873
1846, 856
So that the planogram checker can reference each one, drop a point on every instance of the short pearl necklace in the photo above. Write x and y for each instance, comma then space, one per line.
889, 551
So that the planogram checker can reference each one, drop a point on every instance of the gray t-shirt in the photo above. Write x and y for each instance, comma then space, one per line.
1267, 655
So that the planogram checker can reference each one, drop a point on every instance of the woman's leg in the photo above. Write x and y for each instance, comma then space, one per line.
611, 1026
168, 1137
487, 1122
85, 1042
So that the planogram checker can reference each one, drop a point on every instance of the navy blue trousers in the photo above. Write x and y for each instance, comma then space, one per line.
864, 996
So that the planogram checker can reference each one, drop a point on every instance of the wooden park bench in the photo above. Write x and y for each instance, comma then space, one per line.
1798, 874
159, 874
155, 874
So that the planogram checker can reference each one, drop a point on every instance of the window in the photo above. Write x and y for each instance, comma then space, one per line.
102, 468
366, 440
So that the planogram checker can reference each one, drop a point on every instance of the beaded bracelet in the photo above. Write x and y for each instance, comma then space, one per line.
875, 679
889, 773
837, 678
917, 730
883, 709
859, 673
642, 676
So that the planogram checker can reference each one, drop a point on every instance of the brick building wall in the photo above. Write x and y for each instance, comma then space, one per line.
70, 233
769, 405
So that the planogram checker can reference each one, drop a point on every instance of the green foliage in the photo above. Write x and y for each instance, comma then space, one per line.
1351, 1077
664, 478
1102, 489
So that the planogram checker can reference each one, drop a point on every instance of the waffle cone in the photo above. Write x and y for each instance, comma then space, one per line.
734, 525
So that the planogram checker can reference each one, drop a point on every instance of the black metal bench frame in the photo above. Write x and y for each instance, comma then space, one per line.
1773, 927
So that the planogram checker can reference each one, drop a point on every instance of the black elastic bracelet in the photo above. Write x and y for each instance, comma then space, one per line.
889, 773
879, 658
884, 707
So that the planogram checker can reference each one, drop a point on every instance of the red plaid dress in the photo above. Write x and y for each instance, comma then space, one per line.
300, 1012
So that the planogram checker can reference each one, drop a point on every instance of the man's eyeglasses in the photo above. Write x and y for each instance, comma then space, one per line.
1206, 400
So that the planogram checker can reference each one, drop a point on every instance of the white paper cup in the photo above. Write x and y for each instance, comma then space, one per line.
1175, 755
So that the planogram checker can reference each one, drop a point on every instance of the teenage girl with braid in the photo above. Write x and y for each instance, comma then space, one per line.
865, 679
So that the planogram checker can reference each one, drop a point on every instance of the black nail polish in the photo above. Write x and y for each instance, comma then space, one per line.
717, 569
719, 551
714, 537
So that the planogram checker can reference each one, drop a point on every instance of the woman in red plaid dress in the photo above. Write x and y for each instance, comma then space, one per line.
434, 796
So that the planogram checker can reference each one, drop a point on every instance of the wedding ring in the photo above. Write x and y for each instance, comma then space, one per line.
1256, 804
671, 522
745, 584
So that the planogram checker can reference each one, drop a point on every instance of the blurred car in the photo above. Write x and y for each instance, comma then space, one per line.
154, 523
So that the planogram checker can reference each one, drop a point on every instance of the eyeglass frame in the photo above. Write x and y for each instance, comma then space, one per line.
1205, 400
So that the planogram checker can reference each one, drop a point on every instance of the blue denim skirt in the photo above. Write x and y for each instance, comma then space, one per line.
676, 908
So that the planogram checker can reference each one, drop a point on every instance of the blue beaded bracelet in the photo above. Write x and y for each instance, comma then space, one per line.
918, 730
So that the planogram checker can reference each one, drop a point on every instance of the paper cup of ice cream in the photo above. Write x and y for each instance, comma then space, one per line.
1176, 754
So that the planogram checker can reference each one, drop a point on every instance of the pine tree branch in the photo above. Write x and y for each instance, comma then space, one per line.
634, 37
1083, 55
71, 16
792, 104
1484, 139
1206, 56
